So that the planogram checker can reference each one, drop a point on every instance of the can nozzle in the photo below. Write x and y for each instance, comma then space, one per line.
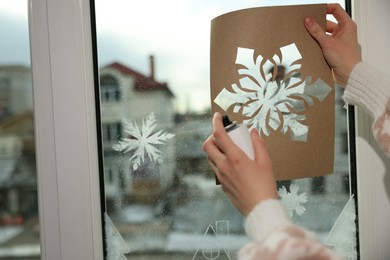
227, 123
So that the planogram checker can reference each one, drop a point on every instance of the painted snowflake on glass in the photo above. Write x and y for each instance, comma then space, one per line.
342, 236
142, 142
292, 201
116, 246
271, 93
213, 245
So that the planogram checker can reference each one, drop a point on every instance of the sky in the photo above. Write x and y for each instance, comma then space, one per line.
14, 42
176, 32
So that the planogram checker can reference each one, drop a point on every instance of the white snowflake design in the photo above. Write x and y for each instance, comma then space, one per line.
116, 246
142, 142
292, 201
271, 93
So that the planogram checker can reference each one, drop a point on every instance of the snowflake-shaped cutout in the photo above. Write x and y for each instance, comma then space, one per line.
292, 201
271, 93
142, 142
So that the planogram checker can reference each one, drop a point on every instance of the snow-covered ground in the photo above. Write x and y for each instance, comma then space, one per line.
7, 233
20, 251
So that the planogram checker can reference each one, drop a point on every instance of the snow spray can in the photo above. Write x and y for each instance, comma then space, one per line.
240, 136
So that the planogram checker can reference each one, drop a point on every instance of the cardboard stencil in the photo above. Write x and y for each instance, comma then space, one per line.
268, 73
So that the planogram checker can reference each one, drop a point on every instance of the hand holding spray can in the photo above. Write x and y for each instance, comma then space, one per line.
240, 136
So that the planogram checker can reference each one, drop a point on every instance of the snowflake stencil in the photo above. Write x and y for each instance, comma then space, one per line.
271, 93
292, 201
142, 142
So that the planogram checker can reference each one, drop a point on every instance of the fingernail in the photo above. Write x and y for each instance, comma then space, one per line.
308, 21
255, 132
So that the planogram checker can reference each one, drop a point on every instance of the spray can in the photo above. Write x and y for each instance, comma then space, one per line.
239, 135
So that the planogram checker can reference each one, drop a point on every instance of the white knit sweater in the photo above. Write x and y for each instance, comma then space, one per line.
273, 234
369, 89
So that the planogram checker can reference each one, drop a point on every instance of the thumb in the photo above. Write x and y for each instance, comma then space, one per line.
315, 30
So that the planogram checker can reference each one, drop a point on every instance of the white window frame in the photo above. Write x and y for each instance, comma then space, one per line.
65, 129
372, 19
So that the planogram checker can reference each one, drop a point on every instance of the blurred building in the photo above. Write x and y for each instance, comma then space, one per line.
18, 185
128, 94
15, 90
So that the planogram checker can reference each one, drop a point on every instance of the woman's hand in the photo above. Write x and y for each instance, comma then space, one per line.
246, 182
340, 46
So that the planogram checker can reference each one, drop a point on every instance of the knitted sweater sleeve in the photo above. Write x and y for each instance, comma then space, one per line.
274, 236
369, 89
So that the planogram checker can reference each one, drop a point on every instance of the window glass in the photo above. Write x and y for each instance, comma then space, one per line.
19, 225
160, 197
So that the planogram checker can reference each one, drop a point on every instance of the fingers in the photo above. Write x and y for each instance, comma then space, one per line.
338, 12
315, 30
261, 153
330, 26
213, 153
221, 138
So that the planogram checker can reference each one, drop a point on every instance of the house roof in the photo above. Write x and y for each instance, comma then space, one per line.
142, 82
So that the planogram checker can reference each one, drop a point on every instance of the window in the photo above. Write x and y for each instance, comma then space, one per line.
66, 157
112, 131
19, 221
110, 90
164, 201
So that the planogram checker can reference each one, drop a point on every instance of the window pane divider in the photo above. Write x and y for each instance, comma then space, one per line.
65, 129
